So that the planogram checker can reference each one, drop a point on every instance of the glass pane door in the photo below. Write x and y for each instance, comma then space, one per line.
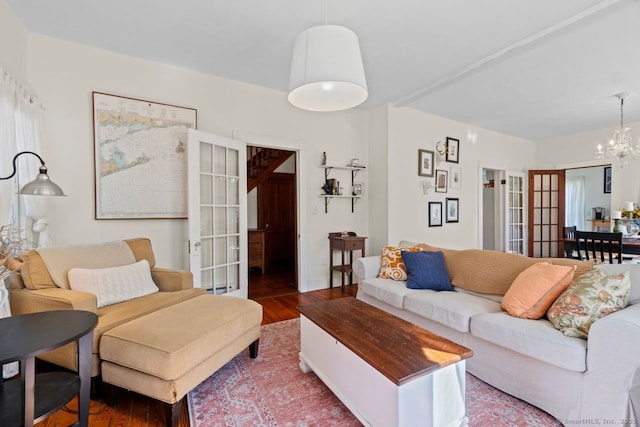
515, 236
546, 213
217, 213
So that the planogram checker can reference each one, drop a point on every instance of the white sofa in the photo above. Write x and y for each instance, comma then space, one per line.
580, 382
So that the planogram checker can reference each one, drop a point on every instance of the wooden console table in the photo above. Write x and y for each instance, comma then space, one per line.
32, 398
344, 244
257, 249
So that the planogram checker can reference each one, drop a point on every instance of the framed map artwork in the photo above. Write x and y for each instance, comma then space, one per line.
140, 150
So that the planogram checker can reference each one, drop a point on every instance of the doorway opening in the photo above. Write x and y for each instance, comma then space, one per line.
272, 221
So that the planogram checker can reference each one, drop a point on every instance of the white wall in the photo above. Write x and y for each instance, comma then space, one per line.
594, 192
579, 150
65, 74
378, 170
410, 130
13, 44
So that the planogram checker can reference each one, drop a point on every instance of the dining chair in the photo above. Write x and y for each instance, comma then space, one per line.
598, 244
569, 247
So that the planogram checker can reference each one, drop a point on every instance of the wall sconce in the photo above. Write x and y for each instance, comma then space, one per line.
41, 185
427, 186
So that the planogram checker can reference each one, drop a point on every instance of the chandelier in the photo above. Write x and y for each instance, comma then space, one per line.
620, 148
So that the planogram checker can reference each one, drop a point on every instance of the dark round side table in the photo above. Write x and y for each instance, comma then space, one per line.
32, 398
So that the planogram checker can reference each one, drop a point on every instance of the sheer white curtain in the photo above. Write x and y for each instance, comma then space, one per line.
20, 130
574, 202
21, 124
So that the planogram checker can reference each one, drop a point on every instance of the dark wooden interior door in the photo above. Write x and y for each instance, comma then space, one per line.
277, 216
546, 213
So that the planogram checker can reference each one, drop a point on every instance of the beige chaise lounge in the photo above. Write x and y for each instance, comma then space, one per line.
161, 344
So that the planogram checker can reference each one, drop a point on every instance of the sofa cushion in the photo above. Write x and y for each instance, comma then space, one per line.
536, 288
115, 284
453, 309
391, 263
142, 344
59, 260
590, 297
391, 292
493, 272
534, 338
426, 270
633, 269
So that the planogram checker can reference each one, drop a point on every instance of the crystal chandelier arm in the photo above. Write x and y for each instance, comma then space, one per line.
15, 160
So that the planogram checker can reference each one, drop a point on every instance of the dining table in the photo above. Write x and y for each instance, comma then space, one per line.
630, 245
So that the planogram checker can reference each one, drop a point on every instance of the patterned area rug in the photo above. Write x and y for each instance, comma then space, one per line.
272, 391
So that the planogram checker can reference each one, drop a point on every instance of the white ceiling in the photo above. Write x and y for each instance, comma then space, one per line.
529, 68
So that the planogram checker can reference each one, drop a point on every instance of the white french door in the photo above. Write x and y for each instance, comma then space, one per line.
515, 218
217, 180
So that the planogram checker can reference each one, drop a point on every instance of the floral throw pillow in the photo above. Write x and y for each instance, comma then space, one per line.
590, 297
391, 263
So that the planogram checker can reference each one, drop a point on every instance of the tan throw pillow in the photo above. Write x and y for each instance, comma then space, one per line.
536, 288
589, 298
391, 264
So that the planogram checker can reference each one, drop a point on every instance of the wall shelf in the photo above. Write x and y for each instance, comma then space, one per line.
329, 197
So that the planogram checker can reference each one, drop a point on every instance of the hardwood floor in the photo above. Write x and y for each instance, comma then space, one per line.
133, 410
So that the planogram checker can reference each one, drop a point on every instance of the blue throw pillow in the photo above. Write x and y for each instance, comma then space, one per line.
426, 270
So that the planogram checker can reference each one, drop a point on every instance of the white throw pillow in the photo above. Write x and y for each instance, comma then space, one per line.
114, 284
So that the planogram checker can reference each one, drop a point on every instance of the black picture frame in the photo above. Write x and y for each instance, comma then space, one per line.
607, 179
425, 163
452, 207
453, 150
435, 214
442, 179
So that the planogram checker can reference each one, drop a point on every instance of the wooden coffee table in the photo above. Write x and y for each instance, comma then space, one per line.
387, 371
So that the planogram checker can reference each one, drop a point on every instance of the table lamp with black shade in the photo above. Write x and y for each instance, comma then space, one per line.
41, 185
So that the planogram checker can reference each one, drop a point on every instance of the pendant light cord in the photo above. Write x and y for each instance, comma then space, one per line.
621, 113
325, 12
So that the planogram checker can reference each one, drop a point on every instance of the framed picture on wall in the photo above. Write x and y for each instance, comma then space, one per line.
441, 181
455, 177
607, 179
425, 163
453, 150
435, 214
452, 207
140, 158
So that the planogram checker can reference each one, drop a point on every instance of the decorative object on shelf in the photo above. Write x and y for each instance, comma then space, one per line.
453, 150
620, 148
331, 186
452, 206
326, 70
616, 216
435, 214
155, 149
607, 179
425, 163
441, 181
355, 163
455, 177
358, 189
41, 185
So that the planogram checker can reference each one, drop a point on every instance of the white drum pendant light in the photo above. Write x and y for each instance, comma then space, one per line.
326, 71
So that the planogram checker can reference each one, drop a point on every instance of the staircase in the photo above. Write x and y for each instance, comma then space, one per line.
261, 162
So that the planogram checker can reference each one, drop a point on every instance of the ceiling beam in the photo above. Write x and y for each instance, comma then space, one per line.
504, 52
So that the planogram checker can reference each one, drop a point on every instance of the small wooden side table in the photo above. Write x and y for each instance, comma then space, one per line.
32, 398
344, 243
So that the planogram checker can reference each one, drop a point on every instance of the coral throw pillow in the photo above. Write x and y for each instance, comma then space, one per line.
536, 288
426, 270
391, 264
590, 297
